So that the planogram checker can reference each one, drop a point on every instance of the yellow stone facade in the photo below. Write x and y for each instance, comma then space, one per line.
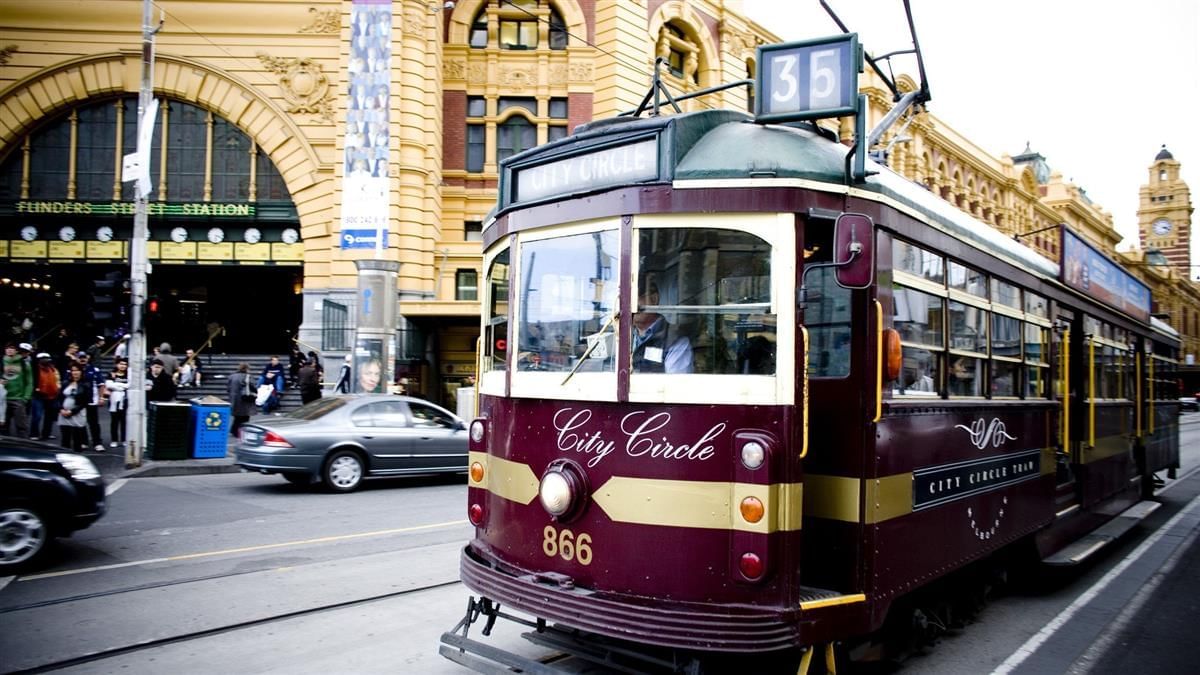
278, 70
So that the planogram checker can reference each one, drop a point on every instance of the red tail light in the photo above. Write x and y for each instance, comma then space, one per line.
274, 440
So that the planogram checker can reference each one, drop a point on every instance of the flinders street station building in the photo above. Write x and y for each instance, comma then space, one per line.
295, 139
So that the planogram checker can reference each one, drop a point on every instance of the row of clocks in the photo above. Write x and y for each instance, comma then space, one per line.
216, 235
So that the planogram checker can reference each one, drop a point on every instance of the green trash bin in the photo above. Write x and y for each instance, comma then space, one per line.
168, 428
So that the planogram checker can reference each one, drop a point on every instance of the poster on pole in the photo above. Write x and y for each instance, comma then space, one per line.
366, 135
368, 366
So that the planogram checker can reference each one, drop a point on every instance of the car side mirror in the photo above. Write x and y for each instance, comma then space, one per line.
854, 250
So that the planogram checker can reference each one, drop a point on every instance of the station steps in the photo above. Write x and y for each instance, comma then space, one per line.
218, 367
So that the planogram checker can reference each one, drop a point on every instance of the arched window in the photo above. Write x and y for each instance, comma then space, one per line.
514, 135
479, 29
558, 30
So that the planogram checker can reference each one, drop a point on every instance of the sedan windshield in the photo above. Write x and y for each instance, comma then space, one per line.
317, 409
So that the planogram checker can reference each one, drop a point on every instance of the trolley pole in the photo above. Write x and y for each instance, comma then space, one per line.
137, 169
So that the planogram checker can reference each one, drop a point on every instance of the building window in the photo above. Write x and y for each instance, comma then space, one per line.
187, 144
513, 136
479, 36
476, 138
97, 147
556, 133
49, 157
558, 108
558, 31
466, 285
230, 163
515, 34
523, 102
476, 106
473, 230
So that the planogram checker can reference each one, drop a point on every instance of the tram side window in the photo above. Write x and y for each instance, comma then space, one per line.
969, 347
827, 312
496, 338
703, 303
1006, 355
568, 303
919, 318
1037, 368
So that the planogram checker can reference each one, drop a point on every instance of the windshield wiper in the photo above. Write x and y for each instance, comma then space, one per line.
582, 359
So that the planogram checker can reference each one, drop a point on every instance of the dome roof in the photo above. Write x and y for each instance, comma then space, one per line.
1164, 154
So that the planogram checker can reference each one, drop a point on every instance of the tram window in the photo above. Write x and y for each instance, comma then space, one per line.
968, 280
921, 372
1006, 294
496, 339
917, 261
704, 303
1037, 339
968, 328
827, 317
966, 376
568, 303
918, 317
1037, 382
1036, 305
1005, 375
1006, 336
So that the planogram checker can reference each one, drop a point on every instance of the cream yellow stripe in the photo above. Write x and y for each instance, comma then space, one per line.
510, 480
832, 497
699, 504
832, 602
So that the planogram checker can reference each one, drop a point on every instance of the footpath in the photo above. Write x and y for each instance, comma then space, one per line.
111, 463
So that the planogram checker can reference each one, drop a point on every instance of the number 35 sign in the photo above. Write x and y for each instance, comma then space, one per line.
807, 80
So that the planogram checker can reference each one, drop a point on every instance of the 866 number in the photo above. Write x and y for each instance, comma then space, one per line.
567, 545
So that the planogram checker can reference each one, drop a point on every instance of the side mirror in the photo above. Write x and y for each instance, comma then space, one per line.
854, 250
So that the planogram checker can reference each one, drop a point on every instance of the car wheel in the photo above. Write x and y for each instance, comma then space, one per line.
23, 537
344, 471
299, 478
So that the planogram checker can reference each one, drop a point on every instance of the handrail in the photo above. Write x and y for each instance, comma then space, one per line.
300, 343
1140, 402
1066, 391
804, 385
212, 335
879, 361
1091, 393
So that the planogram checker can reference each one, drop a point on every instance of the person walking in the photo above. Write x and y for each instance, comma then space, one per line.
309, 382
117, 386
241, 397
295, 360
159, 385
47, 385
72, 413
169, 361
18, 388
316, 363
93, 375
122, 350
96, 350
343, 381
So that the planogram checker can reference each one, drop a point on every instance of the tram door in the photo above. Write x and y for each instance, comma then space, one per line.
1070, 372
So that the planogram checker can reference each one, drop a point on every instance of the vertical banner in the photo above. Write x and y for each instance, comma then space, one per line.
368, 358
365, 181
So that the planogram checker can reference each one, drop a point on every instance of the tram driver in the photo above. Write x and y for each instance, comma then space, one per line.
657, 348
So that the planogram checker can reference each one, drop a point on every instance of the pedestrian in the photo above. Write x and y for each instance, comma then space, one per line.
122, 349
76, 394
189, 370
316, 363
343, 381
241, 397
93, 375
96, 350
159, 385
309, 382
18, 389
47, 385
117, 386
67, 359
295, 360
272, 374
169, 361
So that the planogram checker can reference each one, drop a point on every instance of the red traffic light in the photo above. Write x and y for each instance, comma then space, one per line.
152, 306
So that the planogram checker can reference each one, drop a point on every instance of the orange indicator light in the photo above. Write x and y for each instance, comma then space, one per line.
752, 509
476, 472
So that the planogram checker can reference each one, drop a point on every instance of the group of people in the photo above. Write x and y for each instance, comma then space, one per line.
41, 390
264, 391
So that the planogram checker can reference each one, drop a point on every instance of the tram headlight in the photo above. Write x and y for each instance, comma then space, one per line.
753, 454
556, 493
477, 431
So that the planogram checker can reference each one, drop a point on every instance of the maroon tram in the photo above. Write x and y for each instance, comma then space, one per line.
732, 402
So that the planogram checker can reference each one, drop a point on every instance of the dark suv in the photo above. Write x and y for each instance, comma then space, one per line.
45, 492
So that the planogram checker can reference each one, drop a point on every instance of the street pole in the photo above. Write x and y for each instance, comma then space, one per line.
136, 430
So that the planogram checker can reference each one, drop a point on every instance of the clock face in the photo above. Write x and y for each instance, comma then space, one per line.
290, 236
1162, 226
216, 235
67, 233
252, 235
179, 235
29, 233
104, 233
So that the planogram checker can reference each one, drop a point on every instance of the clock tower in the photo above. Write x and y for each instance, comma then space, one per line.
1165, 213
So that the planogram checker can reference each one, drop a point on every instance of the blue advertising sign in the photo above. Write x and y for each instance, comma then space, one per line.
807, 80
1091, 272
364, 239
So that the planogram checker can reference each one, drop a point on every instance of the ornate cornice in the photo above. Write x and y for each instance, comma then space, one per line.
323, 21
303, 83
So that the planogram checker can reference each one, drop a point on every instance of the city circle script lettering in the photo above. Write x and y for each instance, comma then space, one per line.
623, 164
642, 435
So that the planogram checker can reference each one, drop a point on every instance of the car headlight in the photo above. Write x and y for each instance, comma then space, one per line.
80, 467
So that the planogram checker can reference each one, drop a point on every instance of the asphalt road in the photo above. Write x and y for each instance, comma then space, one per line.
243, 573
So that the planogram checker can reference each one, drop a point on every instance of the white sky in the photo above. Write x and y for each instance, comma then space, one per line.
1095, 86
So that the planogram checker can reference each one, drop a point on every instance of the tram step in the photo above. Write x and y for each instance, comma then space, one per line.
1081, 549
815, 598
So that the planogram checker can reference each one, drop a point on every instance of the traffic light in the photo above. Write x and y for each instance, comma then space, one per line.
152, 306
108, 297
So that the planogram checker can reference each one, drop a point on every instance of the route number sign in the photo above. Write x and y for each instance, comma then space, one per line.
807, 80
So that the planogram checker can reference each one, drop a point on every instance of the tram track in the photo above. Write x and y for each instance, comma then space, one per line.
189, 636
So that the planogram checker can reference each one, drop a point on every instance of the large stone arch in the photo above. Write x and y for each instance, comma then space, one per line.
26, 102
677, 10
465, 11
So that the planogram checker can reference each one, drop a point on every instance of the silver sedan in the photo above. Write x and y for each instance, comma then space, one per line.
339, 440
